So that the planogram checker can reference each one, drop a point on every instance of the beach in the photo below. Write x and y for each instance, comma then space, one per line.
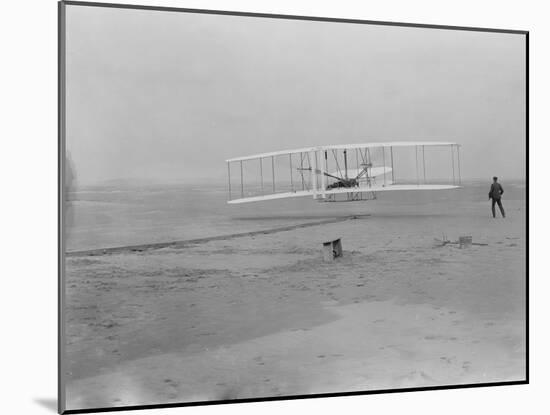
257, 313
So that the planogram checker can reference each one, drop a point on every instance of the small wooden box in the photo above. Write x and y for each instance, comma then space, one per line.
332, 249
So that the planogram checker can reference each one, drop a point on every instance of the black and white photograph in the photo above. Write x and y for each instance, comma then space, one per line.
262, 207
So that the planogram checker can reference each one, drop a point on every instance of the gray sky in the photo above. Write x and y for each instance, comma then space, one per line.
169, 96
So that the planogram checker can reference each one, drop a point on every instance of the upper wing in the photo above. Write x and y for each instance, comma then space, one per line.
344, 147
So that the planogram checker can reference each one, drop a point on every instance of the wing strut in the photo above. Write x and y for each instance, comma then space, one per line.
273, 171
453, 162
416, 156
424, 162
301, 169
458, 154
314, 175
229, 177
392, 173
242, 184
291, 181
324, 176
384, 162
262, 176
346, 164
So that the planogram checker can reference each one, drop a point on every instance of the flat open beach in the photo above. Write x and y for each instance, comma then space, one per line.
261, 315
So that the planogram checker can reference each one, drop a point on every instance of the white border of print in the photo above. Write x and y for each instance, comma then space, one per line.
28, 102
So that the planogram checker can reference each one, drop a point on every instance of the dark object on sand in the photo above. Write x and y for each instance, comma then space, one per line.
465, 241
332, 249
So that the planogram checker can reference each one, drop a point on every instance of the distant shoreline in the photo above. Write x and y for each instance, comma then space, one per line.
222, 184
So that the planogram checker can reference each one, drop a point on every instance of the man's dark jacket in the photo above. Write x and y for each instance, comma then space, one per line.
496, 191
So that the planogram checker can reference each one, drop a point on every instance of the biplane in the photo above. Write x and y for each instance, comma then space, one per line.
343, 172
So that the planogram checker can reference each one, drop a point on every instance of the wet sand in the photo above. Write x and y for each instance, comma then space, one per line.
262, 315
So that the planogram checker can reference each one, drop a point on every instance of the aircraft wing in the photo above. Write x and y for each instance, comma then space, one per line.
274, 196
389, 188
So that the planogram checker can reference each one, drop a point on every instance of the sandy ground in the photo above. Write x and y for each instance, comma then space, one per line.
262, 315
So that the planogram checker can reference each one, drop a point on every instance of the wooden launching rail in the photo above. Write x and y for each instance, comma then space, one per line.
185, 243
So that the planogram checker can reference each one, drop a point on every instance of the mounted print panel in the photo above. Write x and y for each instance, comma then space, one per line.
262, 207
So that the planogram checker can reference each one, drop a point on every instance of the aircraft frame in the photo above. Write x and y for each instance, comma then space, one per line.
358, 183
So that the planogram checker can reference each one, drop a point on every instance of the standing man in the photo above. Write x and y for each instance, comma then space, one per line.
495, 194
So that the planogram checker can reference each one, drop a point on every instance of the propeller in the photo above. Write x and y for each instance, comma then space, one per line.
362, 172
